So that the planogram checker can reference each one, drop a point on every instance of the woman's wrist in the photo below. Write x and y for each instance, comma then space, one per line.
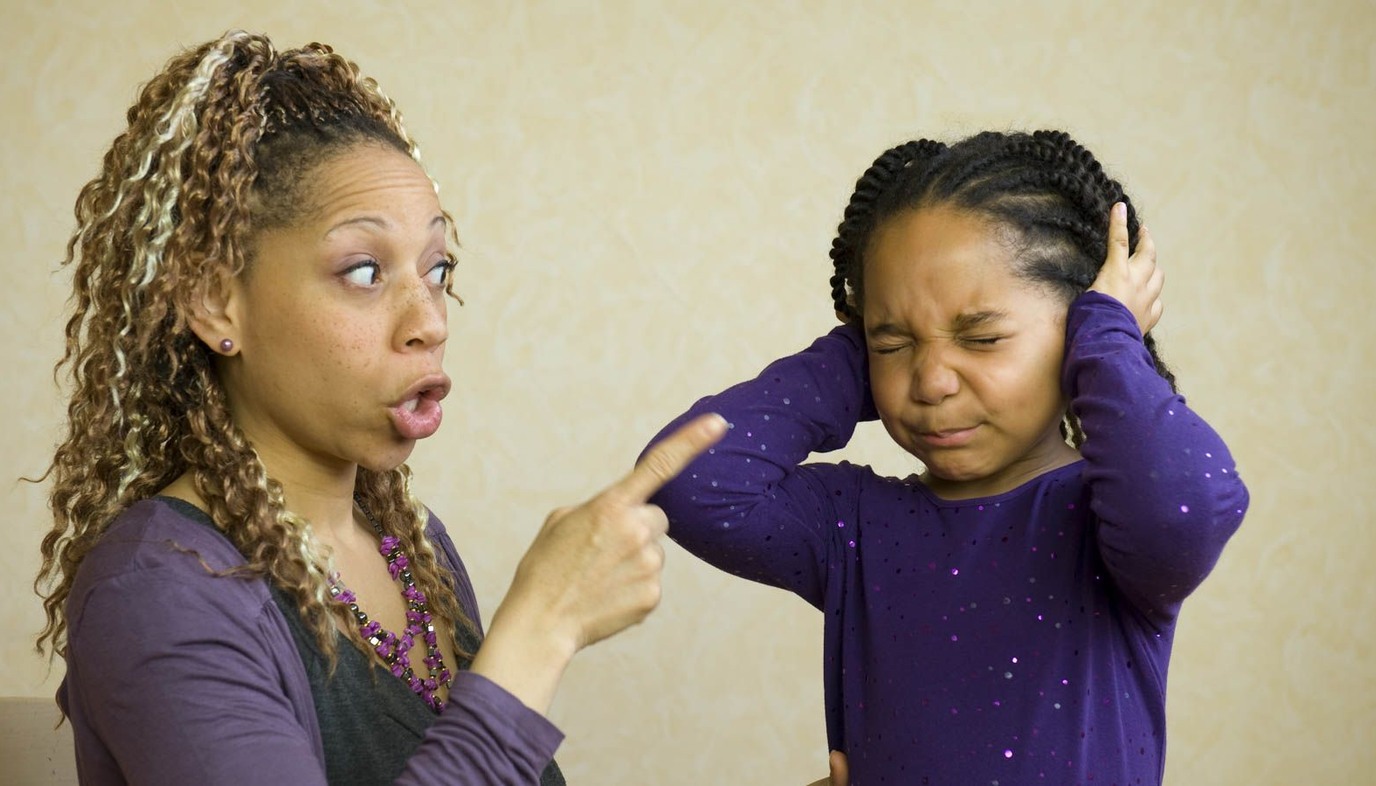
525, 654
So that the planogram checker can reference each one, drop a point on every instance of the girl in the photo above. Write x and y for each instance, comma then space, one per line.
241, 581
1006, 615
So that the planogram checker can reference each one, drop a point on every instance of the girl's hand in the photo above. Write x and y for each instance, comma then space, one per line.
840, 772
1135, 281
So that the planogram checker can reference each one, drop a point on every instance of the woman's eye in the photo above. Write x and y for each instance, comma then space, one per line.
886, 350
984, 341
364, 274
439, 274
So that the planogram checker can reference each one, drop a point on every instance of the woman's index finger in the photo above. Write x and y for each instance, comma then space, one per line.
668, 458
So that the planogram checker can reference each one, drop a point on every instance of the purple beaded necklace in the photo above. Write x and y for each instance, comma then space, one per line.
395, 650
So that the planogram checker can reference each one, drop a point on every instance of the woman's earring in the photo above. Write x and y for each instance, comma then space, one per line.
226, 345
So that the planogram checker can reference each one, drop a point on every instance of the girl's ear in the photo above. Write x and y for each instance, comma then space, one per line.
215, 315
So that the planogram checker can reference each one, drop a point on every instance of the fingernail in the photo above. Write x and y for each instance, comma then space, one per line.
714, 425
1119, 209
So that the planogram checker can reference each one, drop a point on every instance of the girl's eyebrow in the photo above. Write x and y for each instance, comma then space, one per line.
971, 320
887, 329
964, 322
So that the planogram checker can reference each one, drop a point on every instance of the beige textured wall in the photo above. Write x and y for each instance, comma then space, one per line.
646, 192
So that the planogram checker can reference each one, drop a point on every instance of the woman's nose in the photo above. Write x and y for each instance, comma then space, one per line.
425, 321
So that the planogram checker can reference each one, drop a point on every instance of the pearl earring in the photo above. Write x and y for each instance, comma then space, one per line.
227, 345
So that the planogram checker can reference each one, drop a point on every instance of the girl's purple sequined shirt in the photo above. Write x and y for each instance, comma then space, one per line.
1016, 639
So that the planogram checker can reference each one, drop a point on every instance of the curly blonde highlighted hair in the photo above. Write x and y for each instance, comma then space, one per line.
216, 145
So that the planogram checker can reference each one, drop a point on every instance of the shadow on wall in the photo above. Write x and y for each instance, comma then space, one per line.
32, 751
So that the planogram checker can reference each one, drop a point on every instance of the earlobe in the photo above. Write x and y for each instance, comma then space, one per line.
213, 315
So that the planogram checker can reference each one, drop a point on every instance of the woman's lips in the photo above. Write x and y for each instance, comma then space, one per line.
419, 415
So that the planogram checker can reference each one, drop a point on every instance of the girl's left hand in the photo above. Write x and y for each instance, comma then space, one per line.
1135, 281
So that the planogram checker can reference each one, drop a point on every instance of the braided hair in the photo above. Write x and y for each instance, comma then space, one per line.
217, 149
1045, 187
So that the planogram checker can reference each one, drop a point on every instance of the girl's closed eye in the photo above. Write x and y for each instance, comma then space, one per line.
983, 341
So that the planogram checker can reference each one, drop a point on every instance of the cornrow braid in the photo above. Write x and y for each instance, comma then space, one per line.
859, 217
1045, 187
217, 147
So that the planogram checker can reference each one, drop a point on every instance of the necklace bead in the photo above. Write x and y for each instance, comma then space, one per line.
394, 650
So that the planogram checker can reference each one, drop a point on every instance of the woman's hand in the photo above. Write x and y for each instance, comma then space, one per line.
596, 567
1135, 281
840, 771
591, 572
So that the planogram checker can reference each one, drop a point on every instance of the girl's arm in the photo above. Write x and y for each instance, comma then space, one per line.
746, 506
1162, 482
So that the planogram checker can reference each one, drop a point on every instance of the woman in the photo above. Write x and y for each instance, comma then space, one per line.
243, 586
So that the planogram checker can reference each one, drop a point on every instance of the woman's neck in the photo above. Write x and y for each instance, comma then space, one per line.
322, 496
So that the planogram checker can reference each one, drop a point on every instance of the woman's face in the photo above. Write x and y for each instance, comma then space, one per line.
341, 320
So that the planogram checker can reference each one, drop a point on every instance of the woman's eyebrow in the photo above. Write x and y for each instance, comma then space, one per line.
379, 222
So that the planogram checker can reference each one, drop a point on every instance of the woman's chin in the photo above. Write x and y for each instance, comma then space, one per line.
390, 457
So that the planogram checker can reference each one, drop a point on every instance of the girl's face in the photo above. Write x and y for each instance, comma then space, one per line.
341, 320
965, 357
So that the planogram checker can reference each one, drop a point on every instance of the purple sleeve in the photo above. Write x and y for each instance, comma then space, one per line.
180, 684
747, 506
485, 734
188, 678
1163, 486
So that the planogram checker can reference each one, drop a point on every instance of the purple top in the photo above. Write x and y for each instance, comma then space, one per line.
1015, 639
176, 676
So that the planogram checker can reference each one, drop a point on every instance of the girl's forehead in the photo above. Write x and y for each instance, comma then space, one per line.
939, 249
942, 263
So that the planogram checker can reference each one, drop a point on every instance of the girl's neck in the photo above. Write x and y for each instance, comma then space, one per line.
1007, 479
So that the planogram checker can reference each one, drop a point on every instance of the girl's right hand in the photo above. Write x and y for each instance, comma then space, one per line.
591, 572
840, 771
1135, 281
